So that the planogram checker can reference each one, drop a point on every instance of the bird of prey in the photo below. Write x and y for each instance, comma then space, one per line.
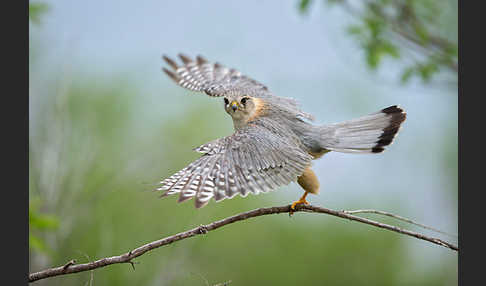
274, 141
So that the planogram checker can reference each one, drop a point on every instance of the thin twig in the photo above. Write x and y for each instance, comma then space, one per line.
69, 263
203, 229
399, 218
91, 275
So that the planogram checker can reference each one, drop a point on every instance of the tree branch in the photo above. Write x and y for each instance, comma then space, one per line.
70, 267
399, 218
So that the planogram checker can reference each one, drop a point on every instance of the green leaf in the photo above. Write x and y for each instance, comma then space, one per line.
421, 32
375, 25
39, 220
43, 221
376, 50
332, 2
36, 10
390, 49
451, 50
304, 6
407, 74
427, 70
38, 244
373, 57
354, 30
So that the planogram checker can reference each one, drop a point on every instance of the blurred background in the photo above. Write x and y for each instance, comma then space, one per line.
106, 125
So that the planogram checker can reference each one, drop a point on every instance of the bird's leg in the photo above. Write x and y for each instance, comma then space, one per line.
308, 181
302, 200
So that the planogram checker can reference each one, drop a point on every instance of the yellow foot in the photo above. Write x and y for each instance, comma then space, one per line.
299, 202
302, 200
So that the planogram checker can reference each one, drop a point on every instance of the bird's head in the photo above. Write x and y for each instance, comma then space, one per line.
242, 108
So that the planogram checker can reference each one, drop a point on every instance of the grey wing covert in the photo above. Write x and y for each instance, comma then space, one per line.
252, 160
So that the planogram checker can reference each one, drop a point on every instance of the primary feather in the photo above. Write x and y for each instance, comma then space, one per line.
229, 166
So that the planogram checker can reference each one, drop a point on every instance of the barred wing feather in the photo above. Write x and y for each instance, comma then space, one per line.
252, 160
212, 78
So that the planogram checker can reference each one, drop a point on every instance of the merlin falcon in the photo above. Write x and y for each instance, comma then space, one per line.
274, 141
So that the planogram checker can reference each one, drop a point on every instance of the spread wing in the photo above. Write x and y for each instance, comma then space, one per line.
252, 160
212, 78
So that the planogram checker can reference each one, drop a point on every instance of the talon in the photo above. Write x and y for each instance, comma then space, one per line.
302, 200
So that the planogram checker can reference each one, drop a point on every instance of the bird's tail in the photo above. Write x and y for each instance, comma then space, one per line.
366, 134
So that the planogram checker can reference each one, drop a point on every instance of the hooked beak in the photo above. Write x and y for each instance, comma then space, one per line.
234, 105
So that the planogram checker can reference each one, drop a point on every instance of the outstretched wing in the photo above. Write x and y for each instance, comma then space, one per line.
252, 160
212, 78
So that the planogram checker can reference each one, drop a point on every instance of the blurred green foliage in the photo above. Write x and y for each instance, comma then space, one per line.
36, 10
39, 223
419, 32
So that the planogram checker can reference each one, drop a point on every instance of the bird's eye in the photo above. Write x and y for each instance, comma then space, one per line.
244, 99
226, 101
